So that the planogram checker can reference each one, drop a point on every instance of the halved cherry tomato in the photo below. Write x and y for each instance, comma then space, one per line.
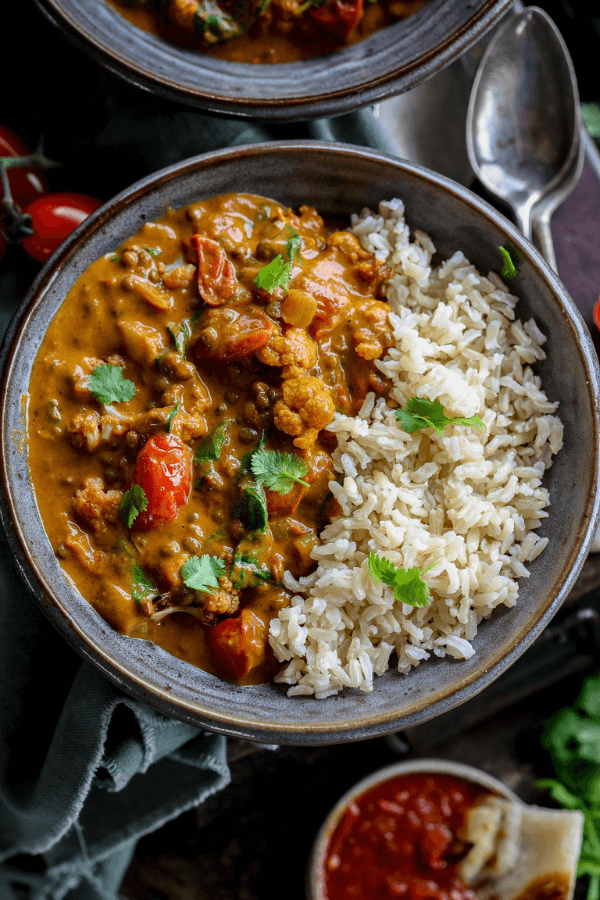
596, 313
164, 470
25, 184
237, 645
221, 339
216, 276
53, 218
339, 17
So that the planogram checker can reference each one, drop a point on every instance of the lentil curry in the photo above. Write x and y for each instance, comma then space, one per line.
176, 432
265, 31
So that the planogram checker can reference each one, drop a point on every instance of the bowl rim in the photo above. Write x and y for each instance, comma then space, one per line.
249, 726
334, 102
426, 765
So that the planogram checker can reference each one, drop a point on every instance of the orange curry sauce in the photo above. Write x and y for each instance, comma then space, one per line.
221, 369
275, 31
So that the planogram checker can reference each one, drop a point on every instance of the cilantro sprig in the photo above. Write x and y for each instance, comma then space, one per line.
108, 385
278, 470
133, 502
201, 573
572, 737
422, 413
408, 584
279, 272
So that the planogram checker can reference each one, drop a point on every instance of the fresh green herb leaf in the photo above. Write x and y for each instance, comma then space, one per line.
214, 24
252, 509
247, 571
278, 273
572, 738
421, 413
278, 470
246, 458
114, 258
408, 584
509, 270
210, 448
201, 573
172, 415
153, 251
142, 585
134, 502
181, 336
108, 385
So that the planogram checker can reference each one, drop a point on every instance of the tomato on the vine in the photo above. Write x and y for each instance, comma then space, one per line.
25, 184
164, 470
53, 218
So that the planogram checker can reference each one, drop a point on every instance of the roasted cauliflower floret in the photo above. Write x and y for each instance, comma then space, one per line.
224, 600
95, 506
89, 430
306, 408
293, 348
348, 244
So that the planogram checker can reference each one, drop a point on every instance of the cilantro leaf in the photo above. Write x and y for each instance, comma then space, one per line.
279, 273
153, 251
108, 385
201, 573
252, 509
278, 470
509, 270
143, 586
422, 413
408, 584
134, 501
210, 448
181, 336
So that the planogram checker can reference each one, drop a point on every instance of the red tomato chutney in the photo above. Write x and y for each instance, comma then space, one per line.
400, 840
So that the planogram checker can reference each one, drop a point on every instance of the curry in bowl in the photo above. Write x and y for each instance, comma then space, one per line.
272, 440
265, 31
179, 379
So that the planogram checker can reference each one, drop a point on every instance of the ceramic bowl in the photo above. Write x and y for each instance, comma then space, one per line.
315, 875
387, 63
337, 179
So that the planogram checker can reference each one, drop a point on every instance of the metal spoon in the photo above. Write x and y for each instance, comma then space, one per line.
523, 121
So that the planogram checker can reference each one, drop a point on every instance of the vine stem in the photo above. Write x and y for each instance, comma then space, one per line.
18, 224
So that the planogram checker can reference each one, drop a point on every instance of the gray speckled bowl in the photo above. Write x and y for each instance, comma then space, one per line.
387, 63
337, 179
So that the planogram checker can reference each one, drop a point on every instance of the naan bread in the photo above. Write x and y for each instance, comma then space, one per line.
521, 852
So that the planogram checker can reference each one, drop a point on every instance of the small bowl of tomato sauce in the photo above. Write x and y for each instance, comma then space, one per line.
396, 834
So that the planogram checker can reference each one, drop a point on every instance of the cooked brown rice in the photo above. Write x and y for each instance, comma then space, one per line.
468, 502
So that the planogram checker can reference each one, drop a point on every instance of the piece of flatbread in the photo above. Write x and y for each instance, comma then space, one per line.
521, 852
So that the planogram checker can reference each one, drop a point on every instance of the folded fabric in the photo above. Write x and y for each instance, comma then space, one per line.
84, 769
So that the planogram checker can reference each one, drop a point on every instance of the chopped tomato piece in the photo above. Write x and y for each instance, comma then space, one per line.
237, 645
339, 17
228, 334
217, 281
164, 470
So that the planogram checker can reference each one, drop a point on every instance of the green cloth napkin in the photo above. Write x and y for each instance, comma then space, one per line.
84, 769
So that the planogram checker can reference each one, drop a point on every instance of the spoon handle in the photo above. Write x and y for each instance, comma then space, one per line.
542, 237
522, 214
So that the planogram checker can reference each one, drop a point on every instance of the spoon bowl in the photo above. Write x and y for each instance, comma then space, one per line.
523, 121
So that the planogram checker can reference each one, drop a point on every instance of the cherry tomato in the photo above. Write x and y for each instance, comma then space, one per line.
164, 470
339, 17
237, 645
53, 218
216, 275
220, 339
596, 313
25, 184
